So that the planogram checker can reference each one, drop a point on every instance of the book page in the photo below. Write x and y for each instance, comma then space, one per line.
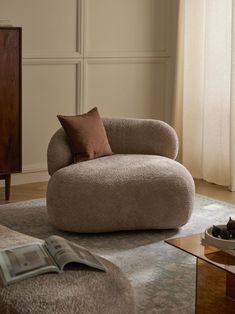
23, 261
60, 251
86, 257
65, 252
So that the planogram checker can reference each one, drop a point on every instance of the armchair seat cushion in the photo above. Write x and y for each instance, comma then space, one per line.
120, 192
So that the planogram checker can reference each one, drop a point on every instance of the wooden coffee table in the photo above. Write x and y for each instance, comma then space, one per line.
215, 275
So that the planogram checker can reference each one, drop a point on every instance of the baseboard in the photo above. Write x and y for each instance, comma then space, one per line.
29, 177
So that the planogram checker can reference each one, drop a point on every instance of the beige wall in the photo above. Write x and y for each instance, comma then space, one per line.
115, 54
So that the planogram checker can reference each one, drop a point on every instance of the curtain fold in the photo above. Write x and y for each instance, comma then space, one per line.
176, 117
207, 103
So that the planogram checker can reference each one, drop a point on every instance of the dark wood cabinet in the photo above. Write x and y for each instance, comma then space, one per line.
10, 102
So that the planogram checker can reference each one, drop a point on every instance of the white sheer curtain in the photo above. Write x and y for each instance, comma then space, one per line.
208, 95
232, 106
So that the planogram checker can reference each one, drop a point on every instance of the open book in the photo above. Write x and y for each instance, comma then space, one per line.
52, 255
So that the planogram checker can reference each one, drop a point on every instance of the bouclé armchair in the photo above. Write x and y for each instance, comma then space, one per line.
141, 186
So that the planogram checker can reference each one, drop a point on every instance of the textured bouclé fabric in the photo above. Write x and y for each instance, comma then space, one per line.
126, 136
120, 192
73, 291
140, 187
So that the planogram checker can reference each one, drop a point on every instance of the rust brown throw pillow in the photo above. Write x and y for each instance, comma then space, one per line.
87, 135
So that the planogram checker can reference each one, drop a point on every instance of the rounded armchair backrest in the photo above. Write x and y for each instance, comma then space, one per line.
141, 136
126, 136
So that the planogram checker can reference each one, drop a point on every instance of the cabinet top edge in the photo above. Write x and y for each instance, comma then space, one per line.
10, 27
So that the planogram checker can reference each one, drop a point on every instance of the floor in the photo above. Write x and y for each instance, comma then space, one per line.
24, 192
215, 191
38, 190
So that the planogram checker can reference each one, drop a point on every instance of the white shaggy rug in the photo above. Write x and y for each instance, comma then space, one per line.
163, 277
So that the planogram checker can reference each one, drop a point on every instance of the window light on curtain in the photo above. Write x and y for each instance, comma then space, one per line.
207, 100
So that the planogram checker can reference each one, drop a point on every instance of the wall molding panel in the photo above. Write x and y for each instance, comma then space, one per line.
50, 87
147, 95
52, 61
51, 28
132, 28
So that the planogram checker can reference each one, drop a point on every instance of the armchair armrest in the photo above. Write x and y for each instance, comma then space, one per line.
141, 136
58, 152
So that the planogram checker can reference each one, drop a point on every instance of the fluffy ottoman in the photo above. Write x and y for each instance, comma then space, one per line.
74, 291
140, 187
